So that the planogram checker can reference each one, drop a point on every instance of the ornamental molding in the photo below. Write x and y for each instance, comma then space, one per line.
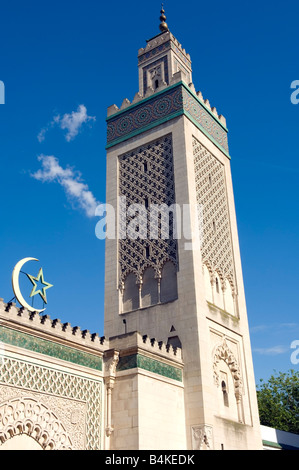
111, 364
223, 353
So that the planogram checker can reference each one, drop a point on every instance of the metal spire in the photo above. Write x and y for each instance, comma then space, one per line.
163, 25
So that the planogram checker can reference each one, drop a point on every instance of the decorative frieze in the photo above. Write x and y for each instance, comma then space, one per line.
149, 364
49, 348
148, 354
173, 101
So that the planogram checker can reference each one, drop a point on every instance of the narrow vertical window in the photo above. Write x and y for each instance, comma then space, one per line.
217, 285
224, 392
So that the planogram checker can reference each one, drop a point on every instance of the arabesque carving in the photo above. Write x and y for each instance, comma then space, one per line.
31, 417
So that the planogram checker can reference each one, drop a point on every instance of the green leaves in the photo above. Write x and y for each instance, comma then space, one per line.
278, 401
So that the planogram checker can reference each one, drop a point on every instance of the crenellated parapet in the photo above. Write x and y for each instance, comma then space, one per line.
52, 337
157, 107
141, 351
160, 44
177, 77
160, 348
52, 329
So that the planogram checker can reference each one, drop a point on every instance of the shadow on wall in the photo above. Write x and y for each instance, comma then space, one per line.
151, 289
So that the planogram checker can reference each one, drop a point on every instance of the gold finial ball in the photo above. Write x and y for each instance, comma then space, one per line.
163, 25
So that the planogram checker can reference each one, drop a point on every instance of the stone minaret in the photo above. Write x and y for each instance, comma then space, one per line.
173, 271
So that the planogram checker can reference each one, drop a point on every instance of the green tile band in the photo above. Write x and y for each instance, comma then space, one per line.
174, 101
151, 365
49, 348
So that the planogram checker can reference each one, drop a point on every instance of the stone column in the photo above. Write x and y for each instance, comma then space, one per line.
110, 371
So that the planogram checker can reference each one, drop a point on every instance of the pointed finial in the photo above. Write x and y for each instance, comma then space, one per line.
163, 25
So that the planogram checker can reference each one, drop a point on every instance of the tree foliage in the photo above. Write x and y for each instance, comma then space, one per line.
278, 401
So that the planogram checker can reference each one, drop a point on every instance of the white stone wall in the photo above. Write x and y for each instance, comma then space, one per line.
147, 412
161, 413
190, 314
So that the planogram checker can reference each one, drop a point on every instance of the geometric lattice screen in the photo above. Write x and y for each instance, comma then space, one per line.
211, 195
146, 178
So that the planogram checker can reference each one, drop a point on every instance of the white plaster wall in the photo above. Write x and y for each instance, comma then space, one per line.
161, 414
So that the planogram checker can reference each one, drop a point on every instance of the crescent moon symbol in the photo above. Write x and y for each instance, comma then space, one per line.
16, 285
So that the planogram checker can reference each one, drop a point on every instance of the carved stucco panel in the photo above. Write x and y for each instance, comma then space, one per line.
55, 422
75, 400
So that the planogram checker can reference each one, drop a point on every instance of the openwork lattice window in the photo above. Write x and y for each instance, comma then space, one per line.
147, 243
146, 178
211, 194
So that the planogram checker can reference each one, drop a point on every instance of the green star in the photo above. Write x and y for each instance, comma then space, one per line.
38, 289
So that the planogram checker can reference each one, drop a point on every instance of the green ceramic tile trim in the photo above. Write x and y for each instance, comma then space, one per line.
49, 348
158, 93
271, 444
152, 365
170, 116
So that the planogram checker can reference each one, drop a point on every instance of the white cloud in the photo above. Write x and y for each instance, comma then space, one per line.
258, 328
41, 135
76, 190
71, 122
272, 351
273, 327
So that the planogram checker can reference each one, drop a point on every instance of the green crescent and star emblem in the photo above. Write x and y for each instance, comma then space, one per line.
39, 285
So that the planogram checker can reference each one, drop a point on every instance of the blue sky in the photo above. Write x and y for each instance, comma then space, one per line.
63, 63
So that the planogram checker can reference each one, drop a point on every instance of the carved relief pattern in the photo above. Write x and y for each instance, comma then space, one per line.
31, 417
153, 65
216, 246
151, 53
223, 353
205, 119
156, 185
75, 400
111, 364
145, 114
202, 437
172, 102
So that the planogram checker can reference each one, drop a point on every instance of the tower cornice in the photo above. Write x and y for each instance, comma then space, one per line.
175, 100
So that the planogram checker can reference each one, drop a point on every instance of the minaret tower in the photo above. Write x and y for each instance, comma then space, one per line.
173, 271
